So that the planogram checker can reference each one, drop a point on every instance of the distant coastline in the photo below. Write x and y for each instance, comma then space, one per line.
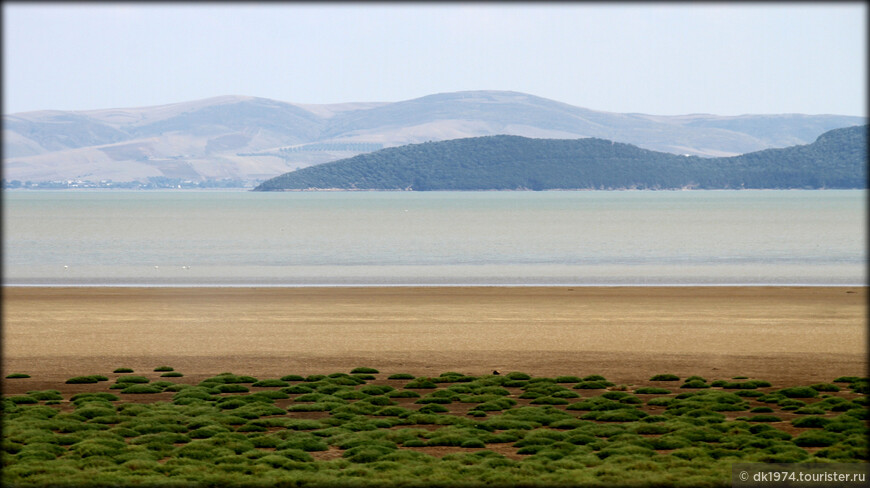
837, 160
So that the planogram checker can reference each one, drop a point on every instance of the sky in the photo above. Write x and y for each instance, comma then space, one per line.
653, 58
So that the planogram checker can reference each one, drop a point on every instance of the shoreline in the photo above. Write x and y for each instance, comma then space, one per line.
438, 285
626, 333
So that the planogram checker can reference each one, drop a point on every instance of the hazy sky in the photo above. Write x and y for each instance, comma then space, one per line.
658, 58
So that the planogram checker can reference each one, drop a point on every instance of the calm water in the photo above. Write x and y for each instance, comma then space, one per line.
434, 238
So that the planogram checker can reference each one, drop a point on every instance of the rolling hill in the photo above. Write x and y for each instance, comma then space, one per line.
254, 139
837, 159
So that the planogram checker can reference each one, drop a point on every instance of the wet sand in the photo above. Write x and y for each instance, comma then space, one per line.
782, 334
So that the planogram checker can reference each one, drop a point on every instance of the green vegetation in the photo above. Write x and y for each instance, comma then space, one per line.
13, 376
401, 376
665, 377
123, 370
95, 378
649, 390
837, 159
340, 430
364, 370
799, 392
271, 383
132, 379
164, 369
694, 383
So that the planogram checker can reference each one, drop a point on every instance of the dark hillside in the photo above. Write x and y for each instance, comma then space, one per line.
837, 159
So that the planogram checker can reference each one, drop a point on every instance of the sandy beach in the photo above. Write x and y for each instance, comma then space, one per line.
781, 334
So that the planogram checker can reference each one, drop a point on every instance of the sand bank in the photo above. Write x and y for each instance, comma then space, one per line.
625, 333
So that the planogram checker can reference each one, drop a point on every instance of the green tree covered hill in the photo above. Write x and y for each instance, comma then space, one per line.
837, 159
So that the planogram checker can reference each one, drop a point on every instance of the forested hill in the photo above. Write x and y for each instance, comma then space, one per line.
837, 159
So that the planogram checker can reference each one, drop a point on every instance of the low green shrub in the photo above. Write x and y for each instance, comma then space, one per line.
568, 379
420, 384
401, 376
428, 399
82, 397
621, 415
297, 389
123, 370
403, 394
848, 379
172, 374
517, 375
592, 385
660, 401
764, 418
160, 369
364, 370
749, 393
367, 453
649, 390
615, 395
811, 422
665, 377
810, 410
292, 377
376, 389
549, 400
304, 442
761, 410
22, 399
694, 383
380, 401
858, 413
816, 438
799, 392
825, 387
17, 376
94, 378
269, 383
45, 395
433, 408
232, 388
790, 404
140, 389
771, 398
131, 379
593, 377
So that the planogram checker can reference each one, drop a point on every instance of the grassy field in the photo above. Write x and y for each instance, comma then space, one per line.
364, 427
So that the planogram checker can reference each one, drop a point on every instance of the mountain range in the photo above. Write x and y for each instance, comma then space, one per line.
837, 159
253, 139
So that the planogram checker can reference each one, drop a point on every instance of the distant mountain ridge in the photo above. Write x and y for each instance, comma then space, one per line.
252, 138
837, 159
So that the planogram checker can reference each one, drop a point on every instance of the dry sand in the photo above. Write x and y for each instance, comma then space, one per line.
627, 334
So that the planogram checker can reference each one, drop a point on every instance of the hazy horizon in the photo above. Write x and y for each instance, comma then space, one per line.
658, 59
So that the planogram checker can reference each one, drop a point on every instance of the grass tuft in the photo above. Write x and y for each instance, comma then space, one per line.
364, 370
94, 378
401, 376
649, 390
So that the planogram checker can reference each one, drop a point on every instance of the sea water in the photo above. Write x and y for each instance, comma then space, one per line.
241, 238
